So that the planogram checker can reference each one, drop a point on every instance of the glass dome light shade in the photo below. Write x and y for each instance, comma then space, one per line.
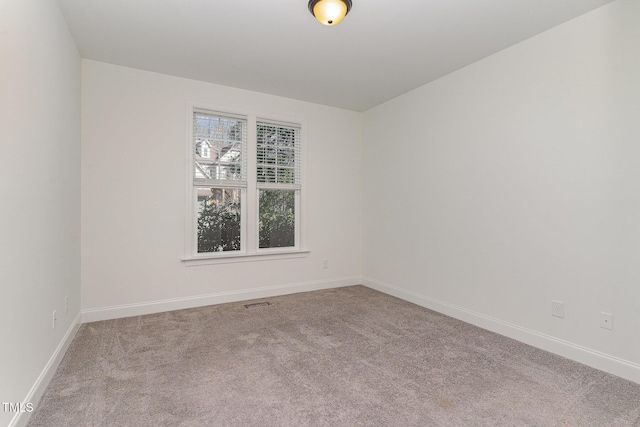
329, 12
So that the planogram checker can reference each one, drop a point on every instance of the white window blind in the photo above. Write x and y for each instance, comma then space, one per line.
219, 149
278, 155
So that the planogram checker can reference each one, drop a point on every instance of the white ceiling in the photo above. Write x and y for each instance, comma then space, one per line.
382, 49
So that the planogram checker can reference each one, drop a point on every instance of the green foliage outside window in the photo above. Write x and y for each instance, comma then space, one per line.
277, 219
219, 222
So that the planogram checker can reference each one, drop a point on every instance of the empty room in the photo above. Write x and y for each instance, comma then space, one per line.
324, 212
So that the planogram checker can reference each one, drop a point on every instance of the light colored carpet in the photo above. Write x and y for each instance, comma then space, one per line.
342, 357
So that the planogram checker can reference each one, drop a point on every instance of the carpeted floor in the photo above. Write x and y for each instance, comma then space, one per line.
342, 357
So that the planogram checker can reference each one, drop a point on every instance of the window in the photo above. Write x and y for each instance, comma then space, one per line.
219, 179
278, 177
245, 186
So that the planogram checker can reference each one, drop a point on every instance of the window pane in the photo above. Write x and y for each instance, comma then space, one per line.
278, 154
277, 218
218, 219
217, 147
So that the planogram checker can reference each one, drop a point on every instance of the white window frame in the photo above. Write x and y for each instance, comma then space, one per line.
249, 196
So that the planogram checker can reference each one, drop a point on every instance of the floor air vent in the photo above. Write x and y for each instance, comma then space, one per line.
257, 304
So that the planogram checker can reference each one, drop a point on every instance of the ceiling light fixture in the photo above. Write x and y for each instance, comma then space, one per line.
329, 12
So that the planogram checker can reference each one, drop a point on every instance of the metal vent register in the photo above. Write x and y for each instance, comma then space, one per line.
257, 304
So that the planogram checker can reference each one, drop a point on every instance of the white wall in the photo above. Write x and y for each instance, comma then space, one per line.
134, 132
39, 192
515, 181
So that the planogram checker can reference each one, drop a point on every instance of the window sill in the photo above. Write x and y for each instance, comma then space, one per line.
227, 258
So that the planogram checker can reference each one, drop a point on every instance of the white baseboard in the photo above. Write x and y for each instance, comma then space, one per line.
595, 359
21, 419
128, 310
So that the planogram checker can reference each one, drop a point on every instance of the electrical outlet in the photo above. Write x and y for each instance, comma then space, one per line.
66, 304
325, 263
606, 320
557, 309
54, 319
